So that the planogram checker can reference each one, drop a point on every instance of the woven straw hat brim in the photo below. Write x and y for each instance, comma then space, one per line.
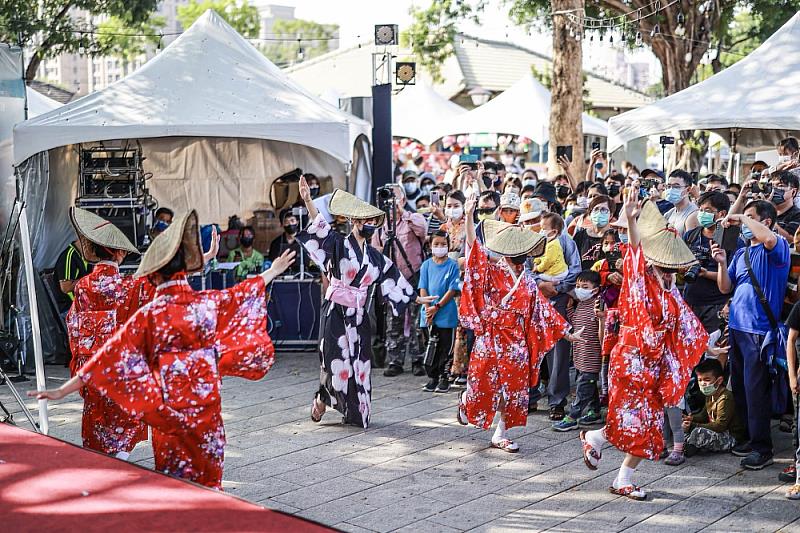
345, 204
99, 231
511, 240
621, 222
661, 244
183, 233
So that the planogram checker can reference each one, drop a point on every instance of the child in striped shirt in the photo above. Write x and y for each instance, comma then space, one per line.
585, 410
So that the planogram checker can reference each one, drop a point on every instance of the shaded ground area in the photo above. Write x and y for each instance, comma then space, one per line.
417, 470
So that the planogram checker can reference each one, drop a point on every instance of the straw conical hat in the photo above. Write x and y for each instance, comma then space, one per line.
511, 240
184, 232
345, 204
661, 244
99, 231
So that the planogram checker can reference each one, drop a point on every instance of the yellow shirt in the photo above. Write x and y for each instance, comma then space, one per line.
552, 262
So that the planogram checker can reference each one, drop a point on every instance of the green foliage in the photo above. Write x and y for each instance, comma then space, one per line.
433, 31
124, 40
48, 27
243, 17
286, 53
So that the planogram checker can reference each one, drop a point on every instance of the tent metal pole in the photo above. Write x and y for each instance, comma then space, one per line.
25, 239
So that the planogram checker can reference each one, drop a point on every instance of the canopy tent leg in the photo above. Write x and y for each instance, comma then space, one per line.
30, 280
734, 159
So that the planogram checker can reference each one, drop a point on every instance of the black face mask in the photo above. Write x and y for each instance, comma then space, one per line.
778, 196
291, 229
613, 191
562, 191
367, 231
314, 191
247, 242
519, 260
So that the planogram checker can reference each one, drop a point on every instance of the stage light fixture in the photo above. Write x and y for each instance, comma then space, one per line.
405, 73
386, 35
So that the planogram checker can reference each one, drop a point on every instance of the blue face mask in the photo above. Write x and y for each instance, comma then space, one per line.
598, 165
673, 196
705, 219
160, 226
599, 219
746, 233
623, 238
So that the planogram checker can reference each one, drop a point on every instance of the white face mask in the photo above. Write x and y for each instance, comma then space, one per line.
583, 202
529, 183
784, 158
439, 251
583, 294
454, 213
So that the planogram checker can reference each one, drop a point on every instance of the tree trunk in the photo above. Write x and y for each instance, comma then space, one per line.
566, 127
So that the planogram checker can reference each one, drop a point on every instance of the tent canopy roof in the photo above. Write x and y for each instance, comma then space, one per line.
522, 109
418, 110
757, 95
208, 82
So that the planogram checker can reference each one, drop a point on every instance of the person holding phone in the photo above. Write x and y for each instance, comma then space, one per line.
598, 168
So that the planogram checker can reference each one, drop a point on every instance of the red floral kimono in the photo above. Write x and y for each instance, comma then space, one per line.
514, 327
165, 365
660, 342
104, 300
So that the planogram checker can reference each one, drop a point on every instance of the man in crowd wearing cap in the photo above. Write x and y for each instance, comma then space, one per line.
762, 267
408, 254
104, 300
410, 189
509, 207
165, 365
558, 358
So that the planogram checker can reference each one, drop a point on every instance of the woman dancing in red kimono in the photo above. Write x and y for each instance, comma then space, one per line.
104, 300
660, 341
165, 365
514, 327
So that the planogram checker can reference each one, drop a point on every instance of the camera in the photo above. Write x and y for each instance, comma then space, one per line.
385, 196
702, 256
664, 140
690, 276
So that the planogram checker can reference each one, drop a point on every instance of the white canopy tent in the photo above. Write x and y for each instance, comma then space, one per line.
418, 112
751, 104
522, 109
217, 121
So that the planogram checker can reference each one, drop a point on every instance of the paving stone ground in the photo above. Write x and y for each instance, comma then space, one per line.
416, 470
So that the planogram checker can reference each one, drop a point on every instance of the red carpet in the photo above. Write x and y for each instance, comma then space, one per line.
47, 485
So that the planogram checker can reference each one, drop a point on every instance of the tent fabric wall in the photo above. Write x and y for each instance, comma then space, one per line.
216, 176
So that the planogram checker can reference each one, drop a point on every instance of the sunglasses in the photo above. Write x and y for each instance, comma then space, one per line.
485, 211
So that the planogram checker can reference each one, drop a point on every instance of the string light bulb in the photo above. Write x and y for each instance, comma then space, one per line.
655, 31
638, 38
681, 18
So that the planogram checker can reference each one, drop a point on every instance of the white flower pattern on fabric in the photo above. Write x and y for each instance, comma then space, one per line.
362, 371
340, 374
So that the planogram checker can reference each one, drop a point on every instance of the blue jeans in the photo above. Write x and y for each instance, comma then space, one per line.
752, 384
586, 396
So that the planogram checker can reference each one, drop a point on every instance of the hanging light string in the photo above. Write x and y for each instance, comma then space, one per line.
578, 17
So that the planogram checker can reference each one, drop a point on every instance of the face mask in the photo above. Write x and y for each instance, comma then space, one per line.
485, 216
426, 189
607, 248
314, 191
454, 213
439, 251
160, 226
784, 158
423, 210
673, 196
634, 177
512, 190
598, 165
519, 260
367, 230
599, 219
247, 242
291, 229
583, 202
708, 390
410, 187
623, 238
529, 183
747, 234
583, 294
778, 196
705, 219
613, 191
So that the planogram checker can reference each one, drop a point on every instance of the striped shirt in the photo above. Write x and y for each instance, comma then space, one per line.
586, 354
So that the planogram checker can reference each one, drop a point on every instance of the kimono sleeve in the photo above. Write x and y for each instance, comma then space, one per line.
633, 301
396, 290
242, 342
319, 240
121, 372
545, 327
473, 303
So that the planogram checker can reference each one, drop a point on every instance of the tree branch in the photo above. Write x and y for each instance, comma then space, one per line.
47, 44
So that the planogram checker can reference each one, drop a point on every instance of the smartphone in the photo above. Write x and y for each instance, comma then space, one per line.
595, 146
565, 151
434, 197
469, 159
664, 140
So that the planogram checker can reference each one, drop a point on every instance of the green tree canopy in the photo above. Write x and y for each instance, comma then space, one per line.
312, 40
50, 27
243, 17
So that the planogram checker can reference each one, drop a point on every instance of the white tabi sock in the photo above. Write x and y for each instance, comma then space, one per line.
624, 477
122, 455
596, 438
500, 432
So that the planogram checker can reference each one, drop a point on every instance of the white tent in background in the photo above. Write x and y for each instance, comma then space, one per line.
751, 104
418, 112
522, 109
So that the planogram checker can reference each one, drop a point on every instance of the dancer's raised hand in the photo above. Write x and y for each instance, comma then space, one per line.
279, 266
214, 250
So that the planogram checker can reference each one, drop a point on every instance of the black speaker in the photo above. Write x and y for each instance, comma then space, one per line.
295, 310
